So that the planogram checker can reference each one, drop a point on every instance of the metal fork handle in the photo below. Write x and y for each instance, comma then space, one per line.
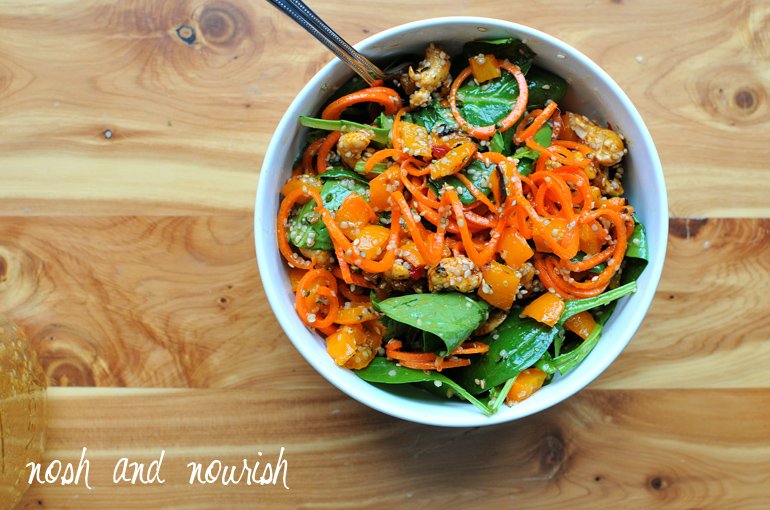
308, 20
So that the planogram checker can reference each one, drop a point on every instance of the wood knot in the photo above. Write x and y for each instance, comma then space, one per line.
3, 269
552, 453
735, 94
69, 358
745, 99
222, 24
658, 483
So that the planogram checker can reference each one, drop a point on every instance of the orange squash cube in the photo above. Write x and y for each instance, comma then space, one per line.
499, 285
484, 68
582, 324
415, 140
341, 345
371, 241
354, 214
527, 382
383, 186
514, 249
546, 308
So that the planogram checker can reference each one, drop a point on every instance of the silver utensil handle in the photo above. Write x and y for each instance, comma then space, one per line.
308, 20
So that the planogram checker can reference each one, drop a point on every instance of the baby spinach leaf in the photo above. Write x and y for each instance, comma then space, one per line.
598, 268
570, 360
433, 343
581, 305
343, 173
544, 85
637, 243
385, 371
476, 172
385, 121
512, 49
515, 345
434, 118
307, 230
545, 363
632, 270
526, 166
336, 189
637, 254
381, 134
451, 316
377, 169
486, 104
542, 138
497, 395
500, 143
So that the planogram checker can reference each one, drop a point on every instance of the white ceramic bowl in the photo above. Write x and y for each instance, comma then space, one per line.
592, 92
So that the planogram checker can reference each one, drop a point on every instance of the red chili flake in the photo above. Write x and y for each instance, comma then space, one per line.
439, 151
417, 272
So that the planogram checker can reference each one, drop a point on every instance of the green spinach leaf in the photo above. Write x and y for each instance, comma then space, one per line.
581, 305
307, 230
542, 138
343, 173
451, 316
570, 360
544, 85
488, 103
377, 169
336, 189
637, 243
497, 395
545, 363
384, 371
515, 345
637, 253
381, 134
500, 143
476, 172
434, 118
526, 166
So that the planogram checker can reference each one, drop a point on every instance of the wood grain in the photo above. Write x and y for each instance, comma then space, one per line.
166, 108
137, 301
601, 448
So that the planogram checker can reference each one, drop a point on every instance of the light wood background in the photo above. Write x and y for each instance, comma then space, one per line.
128, 166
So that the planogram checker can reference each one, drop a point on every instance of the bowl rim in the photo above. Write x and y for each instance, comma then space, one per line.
288, 319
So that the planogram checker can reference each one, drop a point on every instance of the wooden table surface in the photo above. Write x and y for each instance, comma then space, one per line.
129, 161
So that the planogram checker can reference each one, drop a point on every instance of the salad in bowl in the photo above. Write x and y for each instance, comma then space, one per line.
462, 229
